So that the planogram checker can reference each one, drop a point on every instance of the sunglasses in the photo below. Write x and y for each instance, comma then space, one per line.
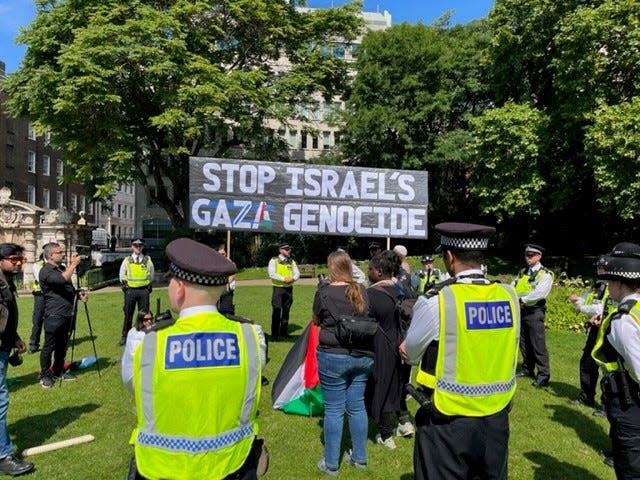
529, 255
15, 259
147, 319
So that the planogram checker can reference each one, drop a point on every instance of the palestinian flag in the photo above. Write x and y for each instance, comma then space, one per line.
296, 388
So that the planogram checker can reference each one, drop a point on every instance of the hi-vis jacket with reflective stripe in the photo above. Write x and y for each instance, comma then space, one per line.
197, 389
474, 373
284, 269
137, 274
603, 352
525, 283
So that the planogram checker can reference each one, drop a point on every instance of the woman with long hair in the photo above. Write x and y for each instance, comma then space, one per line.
343, 372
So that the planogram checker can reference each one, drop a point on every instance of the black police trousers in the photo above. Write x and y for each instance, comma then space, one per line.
533, 345
460, 448
589, 368
624, 421
281, 301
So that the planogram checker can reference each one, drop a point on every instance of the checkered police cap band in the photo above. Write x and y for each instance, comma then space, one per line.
464, 243
198, 278
622, 268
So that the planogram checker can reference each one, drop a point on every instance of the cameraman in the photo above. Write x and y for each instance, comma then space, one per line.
59, 295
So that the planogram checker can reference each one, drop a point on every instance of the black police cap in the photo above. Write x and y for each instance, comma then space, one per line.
623, 263
375, 246
464, 236
426, 259
533, 248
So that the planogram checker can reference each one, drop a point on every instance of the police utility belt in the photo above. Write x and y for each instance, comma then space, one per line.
619, 385
423, 396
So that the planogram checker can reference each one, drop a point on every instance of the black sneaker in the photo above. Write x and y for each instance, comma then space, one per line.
33, 349
46, 381
12, 465
122, 342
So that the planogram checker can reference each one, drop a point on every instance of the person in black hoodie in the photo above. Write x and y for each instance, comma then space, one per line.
11, 261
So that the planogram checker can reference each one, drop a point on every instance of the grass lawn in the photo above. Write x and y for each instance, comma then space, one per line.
549, 438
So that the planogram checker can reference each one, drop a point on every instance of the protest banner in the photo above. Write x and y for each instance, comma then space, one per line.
274, 197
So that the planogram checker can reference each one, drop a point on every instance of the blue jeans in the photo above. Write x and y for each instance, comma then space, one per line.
343, 379
6, 447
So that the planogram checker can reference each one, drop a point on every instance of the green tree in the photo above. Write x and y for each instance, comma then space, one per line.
506, 179
613, 143
131, 88
415, 87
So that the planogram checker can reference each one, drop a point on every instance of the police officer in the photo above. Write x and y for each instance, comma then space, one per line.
374, 248
467, 363
196, 382
38, 306
533, 284
427, 276
283, 272
136, 275
617, 351
595, 304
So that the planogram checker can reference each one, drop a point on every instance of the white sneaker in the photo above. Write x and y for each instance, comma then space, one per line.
389, 443
405, 430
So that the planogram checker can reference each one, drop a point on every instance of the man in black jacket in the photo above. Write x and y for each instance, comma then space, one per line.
11, 260
59, 295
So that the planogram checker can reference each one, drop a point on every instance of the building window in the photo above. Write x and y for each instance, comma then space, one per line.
131, 211
59, 200
46, 198
31, 162
47, 137
119, 211
293, 139
31, 132
83, 203
74, 202
31, 194
314, 142
326, 140
90, 212
46, 165
59, 168
303, 143
314, 113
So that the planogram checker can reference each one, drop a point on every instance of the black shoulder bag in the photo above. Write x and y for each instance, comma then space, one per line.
353, 331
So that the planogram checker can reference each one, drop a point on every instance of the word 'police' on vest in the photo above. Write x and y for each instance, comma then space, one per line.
195, 350
484, 315
304, 198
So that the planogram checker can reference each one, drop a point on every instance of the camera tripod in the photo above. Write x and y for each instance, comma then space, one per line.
71, 336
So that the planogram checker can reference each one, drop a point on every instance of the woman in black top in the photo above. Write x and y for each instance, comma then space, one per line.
343, 373
385, 395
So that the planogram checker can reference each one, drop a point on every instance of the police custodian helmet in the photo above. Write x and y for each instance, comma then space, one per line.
195, 262
623, 263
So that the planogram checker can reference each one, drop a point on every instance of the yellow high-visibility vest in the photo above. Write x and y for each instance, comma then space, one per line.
284, 269
197, 388
603, 352
137, 274
474, 373
526, 283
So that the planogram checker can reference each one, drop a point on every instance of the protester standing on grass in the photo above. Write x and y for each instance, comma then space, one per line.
386, 395
617, 351
533, 285
343, 373
59, 295
283, 272
197, 412
465, 339
11, 261
136, 277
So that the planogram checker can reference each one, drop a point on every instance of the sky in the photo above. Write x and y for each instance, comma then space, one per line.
15, 14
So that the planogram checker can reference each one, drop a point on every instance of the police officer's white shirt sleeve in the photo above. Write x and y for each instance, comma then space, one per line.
271, 270
625, 338
595, 308
134, 338
541, 289
36, 270
150, 268
123, 272
424, 328
296, 271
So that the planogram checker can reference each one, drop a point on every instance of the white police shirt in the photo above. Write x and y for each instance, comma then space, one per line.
625, 338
